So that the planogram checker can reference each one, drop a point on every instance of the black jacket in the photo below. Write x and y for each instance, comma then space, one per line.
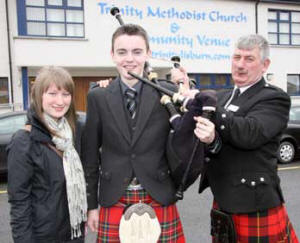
122, 155
243, 175
37, 188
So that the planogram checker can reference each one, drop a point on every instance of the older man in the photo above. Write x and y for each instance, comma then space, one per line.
242, 174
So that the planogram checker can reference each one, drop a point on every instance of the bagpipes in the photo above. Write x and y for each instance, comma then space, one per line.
184, 148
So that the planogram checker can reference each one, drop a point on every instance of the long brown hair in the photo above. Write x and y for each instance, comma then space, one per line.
63, 80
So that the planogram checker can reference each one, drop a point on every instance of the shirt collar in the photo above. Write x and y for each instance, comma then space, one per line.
244, 88
137, 87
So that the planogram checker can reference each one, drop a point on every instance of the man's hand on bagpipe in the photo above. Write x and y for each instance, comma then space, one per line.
204, 130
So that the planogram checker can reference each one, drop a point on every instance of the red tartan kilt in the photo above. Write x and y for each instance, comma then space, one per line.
269, 226
109, 219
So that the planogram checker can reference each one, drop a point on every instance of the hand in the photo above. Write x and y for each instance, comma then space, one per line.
93, 220
104, 83
179, 75
205, 130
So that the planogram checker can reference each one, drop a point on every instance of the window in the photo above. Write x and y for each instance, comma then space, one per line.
295, 113
51, 18
270, 77
212, 81
293, 84
4, 95
284, 27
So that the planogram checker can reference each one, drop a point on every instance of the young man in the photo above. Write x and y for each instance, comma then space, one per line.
243, 175
130, 126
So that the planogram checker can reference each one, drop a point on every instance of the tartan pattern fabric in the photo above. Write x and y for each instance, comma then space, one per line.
268, 226
109, 219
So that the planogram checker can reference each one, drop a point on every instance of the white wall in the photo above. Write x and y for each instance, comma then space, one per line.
4, 68
4, 60
197, 30
203, 34
16, 73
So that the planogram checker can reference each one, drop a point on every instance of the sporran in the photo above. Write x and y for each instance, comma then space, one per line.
138, 224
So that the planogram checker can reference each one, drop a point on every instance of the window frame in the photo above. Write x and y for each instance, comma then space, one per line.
213, 81
278, 21
8, 93
297, 93
22, 19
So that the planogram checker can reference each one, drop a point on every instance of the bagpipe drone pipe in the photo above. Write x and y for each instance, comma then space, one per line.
185, 151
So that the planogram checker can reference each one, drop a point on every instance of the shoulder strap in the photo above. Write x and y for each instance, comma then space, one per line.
59, 152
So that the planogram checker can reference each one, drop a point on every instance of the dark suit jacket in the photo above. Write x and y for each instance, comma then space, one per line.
107, 128
243, 175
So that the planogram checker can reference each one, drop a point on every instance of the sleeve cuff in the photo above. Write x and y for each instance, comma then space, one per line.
216, 145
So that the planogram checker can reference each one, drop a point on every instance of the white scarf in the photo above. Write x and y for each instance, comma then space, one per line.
75, 182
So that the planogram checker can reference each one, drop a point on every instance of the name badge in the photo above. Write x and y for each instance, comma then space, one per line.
233, 108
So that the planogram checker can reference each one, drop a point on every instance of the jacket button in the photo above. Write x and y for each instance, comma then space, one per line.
223, 115
253, 183
222, 127
207, 159
262, 179
243, 180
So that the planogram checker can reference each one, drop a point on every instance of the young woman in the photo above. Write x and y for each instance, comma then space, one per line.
46, 185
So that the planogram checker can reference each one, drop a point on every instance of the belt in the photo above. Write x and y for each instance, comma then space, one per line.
134, 185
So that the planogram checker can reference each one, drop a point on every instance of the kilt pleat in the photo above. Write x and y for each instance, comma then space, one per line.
168, 217
268, 226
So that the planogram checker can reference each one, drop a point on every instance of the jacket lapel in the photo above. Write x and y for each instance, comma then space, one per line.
147, 102
224, 97
253, 90
116, 107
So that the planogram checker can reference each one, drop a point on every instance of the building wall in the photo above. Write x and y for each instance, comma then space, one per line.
4, 68
15, 99
4, 60
205, 39
203, 32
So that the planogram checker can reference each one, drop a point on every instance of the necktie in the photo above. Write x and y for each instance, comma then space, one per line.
130, 95
235, 95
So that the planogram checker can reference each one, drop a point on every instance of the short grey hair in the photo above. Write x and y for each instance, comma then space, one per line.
249, 42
